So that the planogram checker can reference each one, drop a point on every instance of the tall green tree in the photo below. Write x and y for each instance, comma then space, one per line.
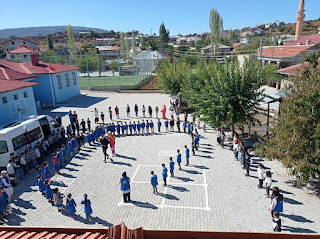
113, 66
49, 42
122, 44
216, 27
171, 75
142, 43
226, 95
295, 137
71, 41
232, 36
126, 43
133, 43
163, 34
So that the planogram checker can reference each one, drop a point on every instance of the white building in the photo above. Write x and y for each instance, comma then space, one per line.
22, 54
14, 43
149, 59
104, 41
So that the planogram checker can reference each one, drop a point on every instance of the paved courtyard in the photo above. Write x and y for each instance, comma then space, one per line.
212, 194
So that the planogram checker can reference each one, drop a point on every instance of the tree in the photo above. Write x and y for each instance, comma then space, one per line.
71, 42
163, 36
232, 36
93, 64
122, 44
225, 95
49, 42
295, 137
126, 43
133, 44
171, 75
270, 75
88, 47
142, 44
113, 66
216, 27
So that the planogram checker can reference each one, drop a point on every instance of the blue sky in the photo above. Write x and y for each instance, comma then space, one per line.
179, 16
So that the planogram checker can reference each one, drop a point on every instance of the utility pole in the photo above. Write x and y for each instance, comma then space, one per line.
261, 48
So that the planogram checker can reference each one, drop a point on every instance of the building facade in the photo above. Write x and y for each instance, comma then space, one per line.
22, 54
14, 43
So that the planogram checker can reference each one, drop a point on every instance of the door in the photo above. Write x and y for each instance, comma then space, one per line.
44, 123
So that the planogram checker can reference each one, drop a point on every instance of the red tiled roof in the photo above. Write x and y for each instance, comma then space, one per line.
9, 74
41, 68
313, 39
10, 85
24, 49
283, 51
294, 70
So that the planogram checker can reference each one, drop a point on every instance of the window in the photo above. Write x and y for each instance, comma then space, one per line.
74, 78
25, 94
15, 97
25, 56
4, 100
59, 82
20, 141
12, 43
3, 147
35, 134
12, 56
67, 79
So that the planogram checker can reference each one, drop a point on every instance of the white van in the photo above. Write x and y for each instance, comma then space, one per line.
17, 136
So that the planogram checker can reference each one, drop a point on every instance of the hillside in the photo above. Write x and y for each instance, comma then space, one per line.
36, 31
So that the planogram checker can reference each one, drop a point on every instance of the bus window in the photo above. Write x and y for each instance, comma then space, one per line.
35, 134
20, 141
54, 124
3, 147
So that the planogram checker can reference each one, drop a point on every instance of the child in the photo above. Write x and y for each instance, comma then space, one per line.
247, 162
58, 199
70, 147
164, 174
152, 126
87, 206
63, 154
5, 199
118, 128
166, 124
49, 194
130, 128
126, 128
159, 125
171, 167
139, 127
147, 127
261, 171
122, 128
154, 182
204, 127
56, 163
268, 181
143, 125
276, 222
184, 126
187, 154
40, 184
46, 171
71, 206
134, 127
179, 159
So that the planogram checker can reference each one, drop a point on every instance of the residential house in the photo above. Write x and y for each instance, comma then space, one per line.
286, 55
182, 41
192, 40
22, 54
14, 43
137, 40
149, 59
258, 31
279, 23
222, 49
58, 82
112, 52
270, 25
311, 39
244, 40
16, 95
104, 41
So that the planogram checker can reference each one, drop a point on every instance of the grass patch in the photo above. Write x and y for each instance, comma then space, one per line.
109, 81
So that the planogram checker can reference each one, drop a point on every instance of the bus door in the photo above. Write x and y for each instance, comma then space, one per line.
44, 123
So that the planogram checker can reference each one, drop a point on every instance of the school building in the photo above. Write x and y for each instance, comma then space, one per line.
16, 95
58, 83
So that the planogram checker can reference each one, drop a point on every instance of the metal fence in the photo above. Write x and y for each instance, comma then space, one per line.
108, 71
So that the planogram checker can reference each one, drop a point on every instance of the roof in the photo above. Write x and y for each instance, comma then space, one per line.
313, 39
108, 48
150, 55
283, 51
9, 74
220, 46
12, 39
24, 49
41, 68
294, 70
235, 45
11, 85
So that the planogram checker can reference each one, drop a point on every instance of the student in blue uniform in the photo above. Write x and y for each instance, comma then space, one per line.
130, 128
59, 157
164, 174
185, 124
191, 128
118, 128
74, 145
143, 126
187, 152
139, 127
46, 171
179, 159
49, 194
166, 124
151, 126
64, 153
58, 199
125, 187
71, 206
134, 127
126, 128
87, 206
154, 182
4, 198
159, 125
147, 127
3, 206
122, 128
70, 147
171, 167
40, 184
197, 139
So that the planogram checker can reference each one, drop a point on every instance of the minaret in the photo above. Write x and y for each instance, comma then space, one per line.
300, 18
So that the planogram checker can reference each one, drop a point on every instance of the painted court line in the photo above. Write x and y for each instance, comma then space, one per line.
190, 184
206, 190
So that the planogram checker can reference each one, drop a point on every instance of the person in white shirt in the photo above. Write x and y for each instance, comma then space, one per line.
37, 154
261, 172
96, 115
10, 168
268, 181
23, 163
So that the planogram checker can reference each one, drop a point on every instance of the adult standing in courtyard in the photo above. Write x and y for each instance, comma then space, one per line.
96, 115
187, 152
157, 111
104, 143
136, 109
125, 187
110, 113
128, 110
116, 110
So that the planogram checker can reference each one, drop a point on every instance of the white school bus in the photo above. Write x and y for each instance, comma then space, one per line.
17, 136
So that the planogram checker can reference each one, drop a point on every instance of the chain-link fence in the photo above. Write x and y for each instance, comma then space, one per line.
109, 70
